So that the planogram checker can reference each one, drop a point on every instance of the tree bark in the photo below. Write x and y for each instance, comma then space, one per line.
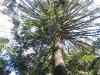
59, 66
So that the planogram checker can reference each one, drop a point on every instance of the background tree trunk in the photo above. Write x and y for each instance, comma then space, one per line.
59, 66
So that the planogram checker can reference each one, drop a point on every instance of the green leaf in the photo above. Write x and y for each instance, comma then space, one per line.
29, 23
87, 57
2, 42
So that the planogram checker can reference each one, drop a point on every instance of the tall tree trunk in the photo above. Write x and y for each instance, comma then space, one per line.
59, 66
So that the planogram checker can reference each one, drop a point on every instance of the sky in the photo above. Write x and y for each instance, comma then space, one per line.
6, 25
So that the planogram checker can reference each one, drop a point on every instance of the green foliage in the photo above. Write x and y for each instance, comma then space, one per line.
52, 13
80, 63
87, 57
66, 21
13, 52
16, 22
28, 23
10, 4
3, 64
3, 42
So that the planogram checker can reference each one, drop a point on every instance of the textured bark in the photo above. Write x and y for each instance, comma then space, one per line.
59, 66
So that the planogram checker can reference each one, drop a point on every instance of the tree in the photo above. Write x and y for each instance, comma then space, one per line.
3, 61
80, 63
95, 64
97, 43
57, 22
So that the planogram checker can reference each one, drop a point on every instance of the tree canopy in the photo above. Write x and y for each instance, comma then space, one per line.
47, 28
